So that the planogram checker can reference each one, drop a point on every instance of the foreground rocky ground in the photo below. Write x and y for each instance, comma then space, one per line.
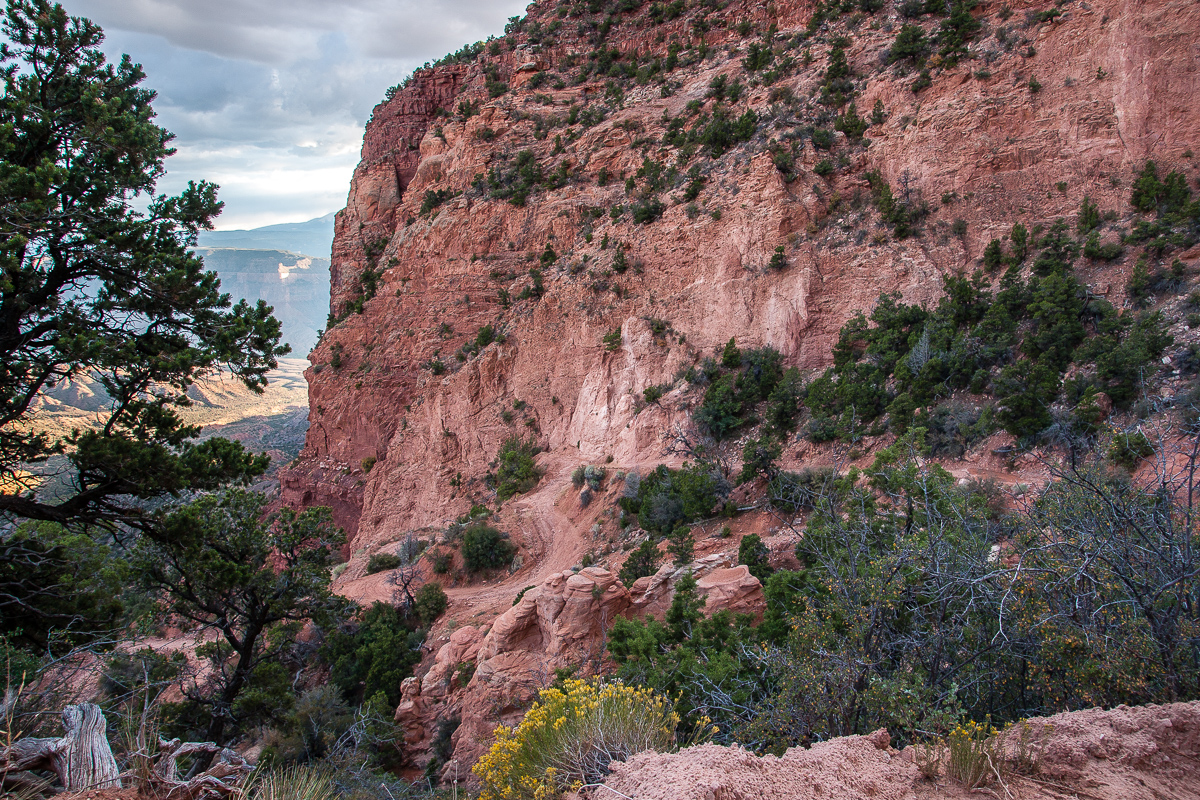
1126, 753
1144, 753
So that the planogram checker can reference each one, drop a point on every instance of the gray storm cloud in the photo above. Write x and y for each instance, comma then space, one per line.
268, 99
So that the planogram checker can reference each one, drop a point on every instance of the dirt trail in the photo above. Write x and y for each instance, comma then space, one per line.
548, 536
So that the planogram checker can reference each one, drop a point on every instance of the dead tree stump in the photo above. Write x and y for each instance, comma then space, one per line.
81, 759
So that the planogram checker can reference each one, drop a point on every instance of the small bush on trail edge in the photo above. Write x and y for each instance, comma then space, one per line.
516, 472
484, 547
431, 602
381, 562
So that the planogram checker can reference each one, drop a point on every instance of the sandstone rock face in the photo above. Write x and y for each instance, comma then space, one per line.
462, 648
558, 624
1119, 84
410, 403
732, 589
567, 610
410, 714
723, 585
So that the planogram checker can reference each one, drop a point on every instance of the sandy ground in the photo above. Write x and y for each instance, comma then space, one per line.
1142, 753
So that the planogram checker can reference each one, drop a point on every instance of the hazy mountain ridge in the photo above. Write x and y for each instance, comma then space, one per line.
313, 237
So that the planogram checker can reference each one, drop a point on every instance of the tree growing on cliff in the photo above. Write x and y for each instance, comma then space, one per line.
93, 290
226, 567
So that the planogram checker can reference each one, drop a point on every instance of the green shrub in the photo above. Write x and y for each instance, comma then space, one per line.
783, 409
1129, 448
1137, 288
731, 356
1147, 189
642, 562
1026, 391
682, 545
647, 211
728, 398
433, 199
517, 180
1089, 216
1093, 249
910, 45
373, 654
516, 472
381, 562
431, 602
851, 124
778, 260
958, 29
667, 498
759, 455
754, 554
484, 547
594, 475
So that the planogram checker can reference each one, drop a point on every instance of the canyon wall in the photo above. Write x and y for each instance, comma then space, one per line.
1117, 86
468, 314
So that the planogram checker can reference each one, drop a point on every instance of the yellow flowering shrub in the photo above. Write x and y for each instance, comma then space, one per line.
571, 735
974, 754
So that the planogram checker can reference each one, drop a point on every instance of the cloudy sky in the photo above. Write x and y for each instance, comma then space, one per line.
268, 98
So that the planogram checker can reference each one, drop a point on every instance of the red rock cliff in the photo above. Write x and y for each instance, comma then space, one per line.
409, 402
1118, 82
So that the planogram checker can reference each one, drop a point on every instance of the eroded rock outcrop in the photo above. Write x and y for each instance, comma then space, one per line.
724, 585
568, 611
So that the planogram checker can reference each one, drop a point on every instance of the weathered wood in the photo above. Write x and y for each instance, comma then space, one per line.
81, 758
220, 780
88, 758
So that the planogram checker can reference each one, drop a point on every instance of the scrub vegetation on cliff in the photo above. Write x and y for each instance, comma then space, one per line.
788, 261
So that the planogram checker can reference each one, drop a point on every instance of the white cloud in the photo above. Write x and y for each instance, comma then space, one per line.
268, 98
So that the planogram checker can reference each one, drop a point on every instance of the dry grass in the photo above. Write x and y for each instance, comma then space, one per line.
292, 783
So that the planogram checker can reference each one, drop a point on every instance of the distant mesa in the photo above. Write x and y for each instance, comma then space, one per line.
286, 266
